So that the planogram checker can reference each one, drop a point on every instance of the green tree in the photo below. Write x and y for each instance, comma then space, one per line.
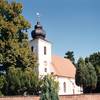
2, 82
95, 60
49, 89
86, 76
15, 54
70, 55
20, 82
14, 40
80, 73
1, 58
91, 78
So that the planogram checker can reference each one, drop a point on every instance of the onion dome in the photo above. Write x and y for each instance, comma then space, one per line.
38, 31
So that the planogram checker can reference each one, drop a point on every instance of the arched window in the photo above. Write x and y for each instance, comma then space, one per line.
45, 51
64, 86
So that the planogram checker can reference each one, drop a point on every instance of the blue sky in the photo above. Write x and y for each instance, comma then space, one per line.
69, 24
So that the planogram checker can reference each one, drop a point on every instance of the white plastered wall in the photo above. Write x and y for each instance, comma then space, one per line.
44, 61
71, 87
38, 44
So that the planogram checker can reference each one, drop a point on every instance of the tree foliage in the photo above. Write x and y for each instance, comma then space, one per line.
15, 55
1, 58
49, 89
95, 60
70, 55
13, 38
86, 76
20, 82
80, 72
2, 82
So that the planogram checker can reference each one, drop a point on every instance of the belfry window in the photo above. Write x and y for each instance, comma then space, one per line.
45, 51
32, 48
64, 86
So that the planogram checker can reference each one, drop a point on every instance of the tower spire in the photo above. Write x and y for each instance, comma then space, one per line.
38, 31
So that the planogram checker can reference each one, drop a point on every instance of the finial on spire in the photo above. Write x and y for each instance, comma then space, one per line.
38, 17
37, 14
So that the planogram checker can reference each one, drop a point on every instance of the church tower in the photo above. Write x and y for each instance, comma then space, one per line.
42, 48
61, 68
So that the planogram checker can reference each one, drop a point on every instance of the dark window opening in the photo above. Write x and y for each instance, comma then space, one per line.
45, 69
64, 86
45, 51
32, 48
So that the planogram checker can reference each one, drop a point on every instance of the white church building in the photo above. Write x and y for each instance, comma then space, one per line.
61, 68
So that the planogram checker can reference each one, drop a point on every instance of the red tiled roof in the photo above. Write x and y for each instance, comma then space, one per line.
63, 67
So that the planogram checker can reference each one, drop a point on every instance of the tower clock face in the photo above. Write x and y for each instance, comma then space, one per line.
45, 63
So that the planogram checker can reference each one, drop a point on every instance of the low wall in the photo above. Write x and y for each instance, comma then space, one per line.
20, 98
68, 97
81, 97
